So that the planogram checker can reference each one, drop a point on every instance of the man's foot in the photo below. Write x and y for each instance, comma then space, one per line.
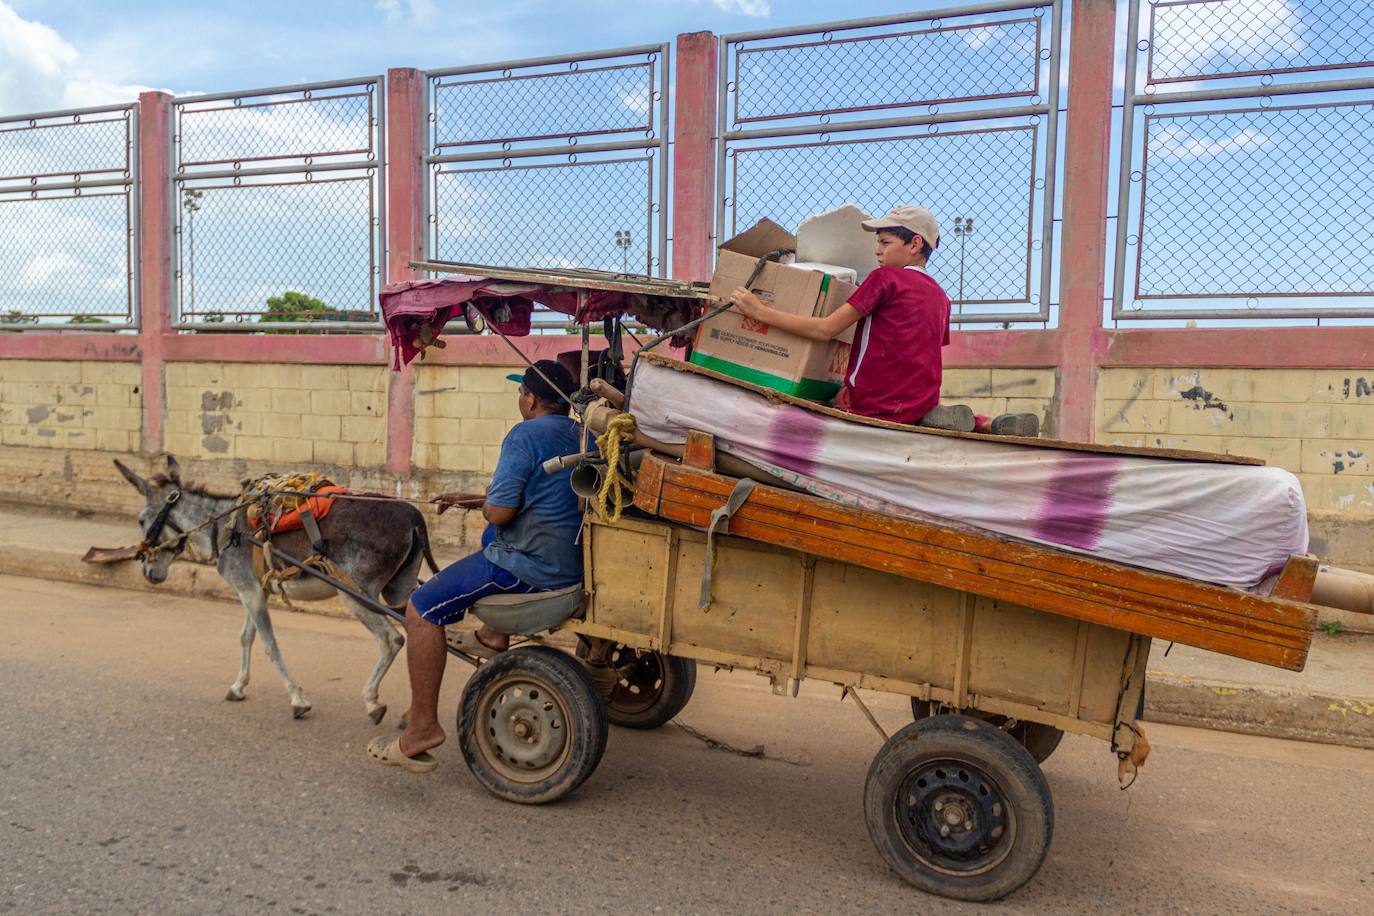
478, 642
387, 752
957, 417
1015, 424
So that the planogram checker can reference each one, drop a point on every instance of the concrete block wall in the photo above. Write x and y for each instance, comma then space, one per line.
995, 391
70, 405
1316, 423
285, 414
461, 415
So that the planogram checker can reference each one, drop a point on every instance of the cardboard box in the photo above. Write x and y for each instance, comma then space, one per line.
755, 352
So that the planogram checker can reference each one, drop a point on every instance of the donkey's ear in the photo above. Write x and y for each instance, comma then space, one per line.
173, 470
139, 483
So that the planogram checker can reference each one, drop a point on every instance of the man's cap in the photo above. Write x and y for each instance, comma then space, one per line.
540, 388
910, 217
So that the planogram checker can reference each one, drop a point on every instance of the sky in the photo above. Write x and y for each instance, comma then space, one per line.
75, 53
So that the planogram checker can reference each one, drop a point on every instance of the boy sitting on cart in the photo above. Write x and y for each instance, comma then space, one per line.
894, 365
528, 546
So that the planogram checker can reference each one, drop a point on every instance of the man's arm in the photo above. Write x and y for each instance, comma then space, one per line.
827, 328
499, 515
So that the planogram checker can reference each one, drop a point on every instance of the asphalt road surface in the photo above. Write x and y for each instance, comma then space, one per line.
127, 784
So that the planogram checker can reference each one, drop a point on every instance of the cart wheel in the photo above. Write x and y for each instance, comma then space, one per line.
650, 688
531, 725
1040, 739
958, 808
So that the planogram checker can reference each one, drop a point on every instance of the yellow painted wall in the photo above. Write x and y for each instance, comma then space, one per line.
1319, 424
995, 391
70, 405
287, 414
461, 415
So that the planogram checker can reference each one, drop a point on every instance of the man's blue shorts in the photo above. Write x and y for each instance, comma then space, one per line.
447, 597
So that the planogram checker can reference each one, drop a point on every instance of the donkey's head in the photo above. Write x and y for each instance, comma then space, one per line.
159, 521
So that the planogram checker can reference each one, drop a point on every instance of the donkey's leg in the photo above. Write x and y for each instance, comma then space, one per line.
257, 609
246, 641
389, 643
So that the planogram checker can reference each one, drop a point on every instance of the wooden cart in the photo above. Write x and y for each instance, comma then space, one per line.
1001, 646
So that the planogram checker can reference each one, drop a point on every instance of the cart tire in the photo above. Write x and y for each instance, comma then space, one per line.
995, 808
1040, 739
650, 695
531, 725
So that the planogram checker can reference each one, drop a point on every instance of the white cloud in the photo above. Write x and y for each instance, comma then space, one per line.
1187, 38
755, 8
43, 268
1171, 141
39, 71
421, 11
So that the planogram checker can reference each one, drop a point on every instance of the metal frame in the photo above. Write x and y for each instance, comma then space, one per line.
373, 170
129, 183
504, 151
1131, 99
1048, 108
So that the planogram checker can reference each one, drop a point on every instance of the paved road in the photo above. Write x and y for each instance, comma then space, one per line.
128, 785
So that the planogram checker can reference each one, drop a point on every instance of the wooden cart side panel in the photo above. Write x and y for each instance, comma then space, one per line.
755, 596
1106, 653
1023, 655
862, 620
624, 569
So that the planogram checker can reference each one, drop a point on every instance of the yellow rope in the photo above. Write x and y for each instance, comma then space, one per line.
619, 431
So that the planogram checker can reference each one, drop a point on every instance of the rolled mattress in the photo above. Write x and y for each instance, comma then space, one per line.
1228, 524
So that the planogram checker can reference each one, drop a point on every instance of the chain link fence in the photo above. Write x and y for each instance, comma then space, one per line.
553, 162
68, 219
279, 200
971, 131
1247, 193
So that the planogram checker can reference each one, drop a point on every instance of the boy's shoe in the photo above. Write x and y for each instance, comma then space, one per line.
1016, 424
957, 417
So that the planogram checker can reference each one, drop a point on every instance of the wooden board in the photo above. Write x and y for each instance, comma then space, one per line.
1268, 630
777, 396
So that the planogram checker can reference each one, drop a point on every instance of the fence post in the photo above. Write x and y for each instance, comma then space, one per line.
694, 158
154, 257
405, 194
1087, 148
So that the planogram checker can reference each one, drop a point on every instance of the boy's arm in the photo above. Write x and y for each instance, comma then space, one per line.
827, 328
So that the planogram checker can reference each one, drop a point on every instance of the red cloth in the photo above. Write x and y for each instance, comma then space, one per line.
405, 305
319, 507
894, 364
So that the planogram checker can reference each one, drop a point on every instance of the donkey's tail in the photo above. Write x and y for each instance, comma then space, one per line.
422, 531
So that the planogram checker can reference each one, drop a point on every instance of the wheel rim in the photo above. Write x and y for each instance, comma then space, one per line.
523, 730
639, 679
953, 818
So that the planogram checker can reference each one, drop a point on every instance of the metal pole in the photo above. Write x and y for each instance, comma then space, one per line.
1123, 191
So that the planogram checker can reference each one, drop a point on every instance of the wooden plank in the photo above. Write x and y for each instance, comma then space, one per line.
1271, 631
1126, 450
863, 526
1080, 667
803, 630
1200, 609
649, 484
1062, 600
700, 450
1298, 576
963, 650
665, 613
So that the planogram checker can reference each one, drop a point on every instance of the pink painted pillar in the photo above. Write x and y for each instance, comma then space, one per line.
154, 256
1087, 147
405, 190
694, 157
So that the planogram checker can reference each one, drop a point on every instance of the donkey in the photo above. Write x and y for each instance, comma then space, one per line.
378, 544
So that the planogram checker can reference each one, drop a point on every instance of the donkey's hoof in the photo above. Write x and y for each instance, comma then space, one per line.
377, 714
235, 695
300, 712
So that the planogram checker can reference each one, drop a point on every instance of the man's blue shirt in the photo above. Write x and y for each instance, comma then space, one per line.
538, 546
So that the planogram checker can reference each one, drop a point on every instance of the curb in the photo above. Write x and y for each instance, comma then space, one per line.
1273, 712
188, 579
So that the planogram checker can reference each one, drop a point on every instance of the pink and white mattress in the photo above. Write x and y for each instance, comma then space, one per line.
1227, 524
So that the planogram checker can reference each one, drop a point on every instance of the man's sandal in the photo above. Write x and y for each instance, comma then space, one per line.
387, 751
466, 641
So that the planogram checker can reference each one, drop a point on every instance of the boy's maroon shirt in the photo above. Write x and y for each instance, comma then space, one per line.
894, 364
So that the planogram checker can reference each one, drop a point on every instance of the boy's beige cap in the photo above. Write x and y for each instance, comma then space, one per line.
908, 216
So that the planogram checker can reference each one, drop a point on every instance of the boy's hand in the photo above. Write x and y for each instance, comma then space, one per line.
747, 304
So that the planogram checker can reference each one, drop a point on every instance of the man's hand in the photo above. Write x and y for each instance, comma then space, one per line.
446, 501
748, 304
